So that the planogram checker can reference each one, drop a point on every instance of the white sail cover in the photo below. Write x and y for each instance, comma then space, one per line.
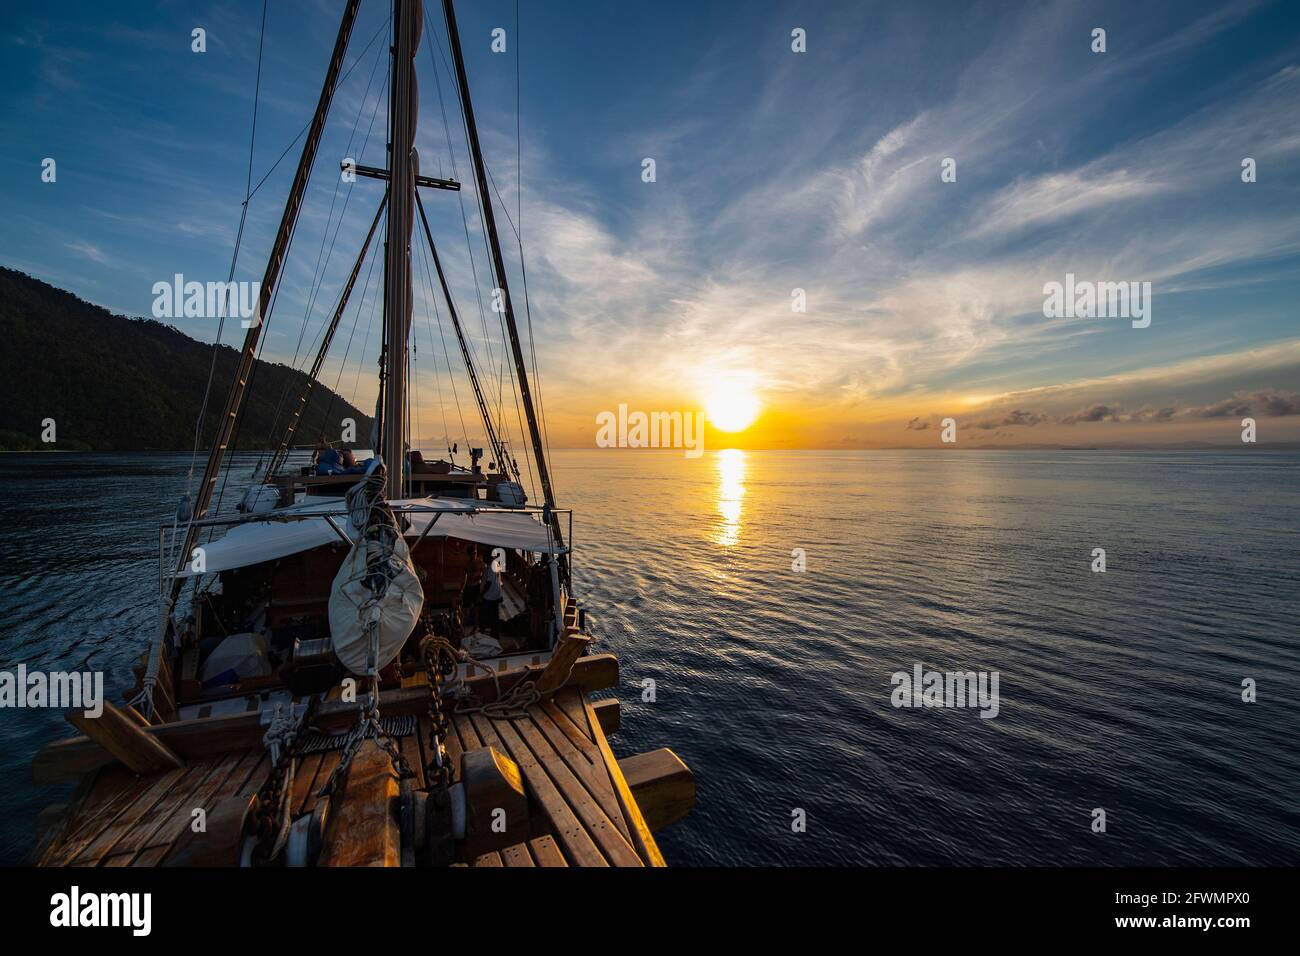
258, 541
353, 610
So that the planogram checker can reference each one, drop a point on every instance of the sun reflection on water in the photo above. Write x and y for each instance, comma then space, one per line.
731, 494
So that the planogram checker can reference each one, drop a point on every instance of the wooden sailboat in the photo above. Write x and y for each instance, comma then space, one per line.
321, 691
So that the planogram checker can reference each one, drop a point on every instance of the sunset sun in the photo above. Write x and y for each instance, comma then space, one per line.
731, 406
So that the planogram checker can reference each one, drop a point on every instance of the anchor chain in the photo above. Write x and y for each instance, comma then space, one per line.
439, 660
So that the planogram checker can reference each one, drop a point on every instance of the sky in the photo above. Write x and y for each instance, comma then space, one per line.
775, 171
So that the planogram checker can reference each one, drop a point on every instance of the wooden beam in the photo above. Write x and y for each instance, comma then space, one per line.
494, 795
363, 828
642, 838
126, 739
374, 172
609, 713
662, 785
556, 673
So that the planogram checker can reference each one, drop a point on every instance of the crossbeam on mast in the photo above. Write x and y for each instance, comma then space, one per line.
374, 172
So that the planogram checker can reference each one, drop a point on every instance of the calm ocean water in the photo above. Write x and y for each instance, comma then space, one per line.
1119, 690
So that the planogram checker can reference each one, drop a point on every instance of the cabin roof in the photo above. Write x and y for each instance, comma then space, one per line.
303, 527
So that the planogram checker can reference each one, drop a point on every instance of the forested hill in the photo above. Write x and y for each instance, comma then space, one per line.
112, 383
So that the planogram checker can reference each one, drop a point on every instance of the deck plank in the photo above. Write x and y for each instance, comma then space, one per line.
517, 855
569, 831
545, 852
469, 735
256, 777
642, 838
151, 796
245, 779
141, 837
593, 778
226, 780
119, 844
570, 701
108, 784
111, 795
580, 740
602, 829
117, 814
160, 841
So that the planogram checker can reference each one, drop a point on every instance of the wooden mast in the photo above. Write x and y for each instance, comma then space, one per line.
402, 165
226, 430
489, 222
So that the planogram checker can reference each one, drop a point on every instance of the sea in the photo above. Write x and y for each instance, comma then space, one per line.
766, 605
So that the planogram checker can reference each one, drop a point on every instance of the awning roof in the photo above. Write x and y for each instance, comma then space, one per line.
258, 541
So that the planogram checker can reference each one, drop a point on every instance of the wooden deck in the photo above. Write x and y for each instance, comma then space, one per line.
572, 778
121, 819
582, 811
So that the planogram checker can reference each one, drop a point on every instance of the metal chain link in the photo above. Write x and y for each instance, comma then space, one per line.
437, 650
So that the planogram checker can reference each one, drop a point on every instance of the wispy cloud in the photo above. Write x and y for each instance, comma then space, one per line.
817, 172
89, 250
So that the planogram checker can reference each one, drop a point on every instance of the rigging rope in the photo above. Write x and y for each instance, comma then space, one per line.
318, 277
356, 318
234, 259
266, 323
383, 26
469, 247
504, 368
427, 270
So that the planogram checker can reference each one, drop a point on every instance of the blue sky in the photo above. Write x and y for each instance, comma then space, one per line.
775, 171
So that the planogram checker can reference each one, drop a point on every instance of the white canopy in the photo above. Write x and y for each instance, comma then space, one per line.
307, 527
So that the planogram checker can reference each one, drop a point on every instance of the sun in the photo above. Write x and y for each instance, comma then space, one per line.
732, 406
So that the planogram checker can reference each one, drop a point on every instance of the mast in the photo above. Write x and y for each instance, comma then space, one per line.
498, 262
403, 111
226, 430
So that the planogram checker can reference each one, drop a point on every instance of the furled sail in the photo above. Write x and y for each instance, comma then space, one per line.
376, 598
